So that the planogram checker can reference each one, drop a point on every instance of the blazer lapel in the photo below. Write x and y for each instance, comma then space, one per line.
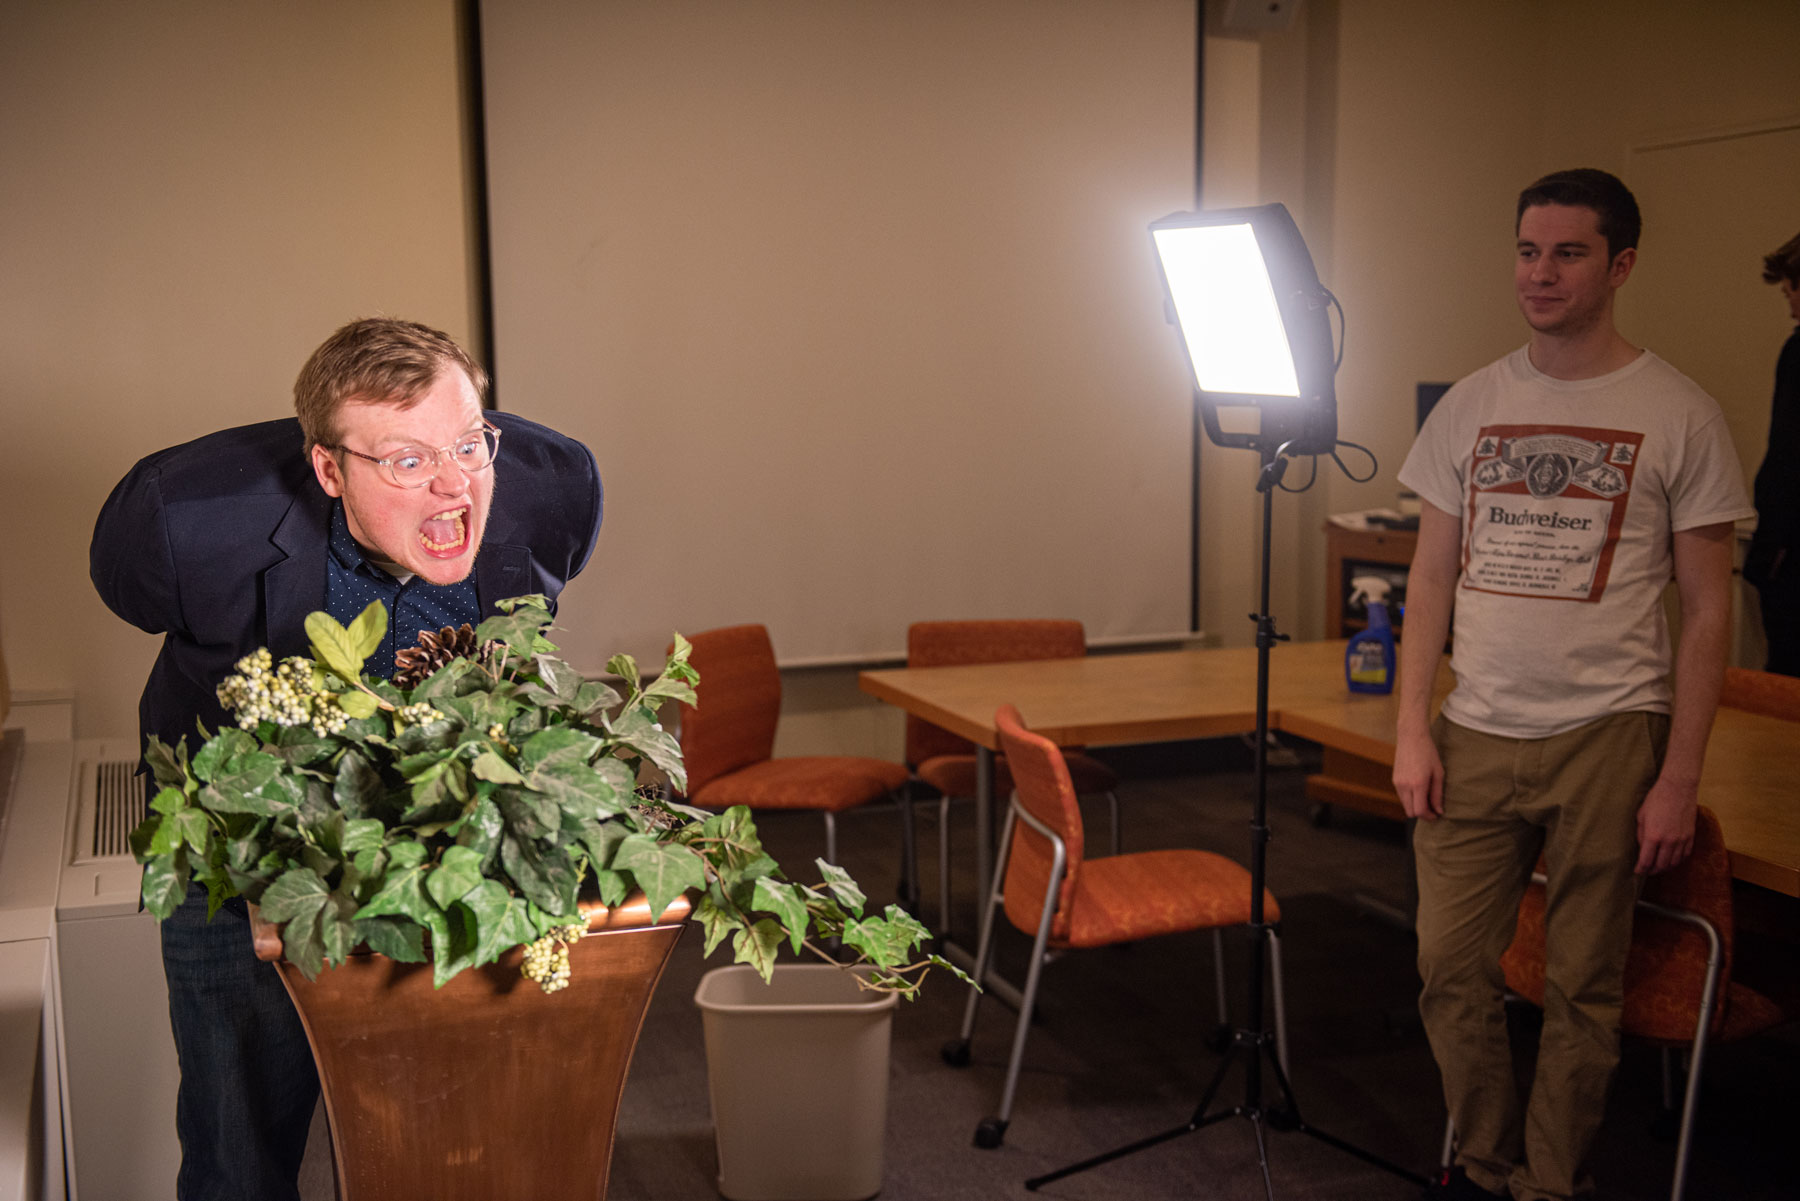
295, 587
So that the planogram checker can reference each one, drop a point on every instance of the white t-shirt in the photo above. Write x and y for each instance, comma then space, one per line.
1569, 492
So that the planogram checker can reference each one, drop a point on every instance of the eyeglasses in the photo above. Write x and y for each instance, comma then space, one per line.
417, 466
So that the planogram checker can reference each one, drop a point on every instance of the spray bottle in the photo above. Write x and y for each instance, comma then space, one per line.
1369, 660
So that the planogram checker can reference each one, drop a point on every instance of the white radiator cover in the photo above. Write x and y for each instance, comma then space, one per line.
116, 1053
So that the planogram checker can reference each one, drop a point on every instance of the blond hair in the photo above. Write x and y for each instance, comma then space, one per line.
377, 360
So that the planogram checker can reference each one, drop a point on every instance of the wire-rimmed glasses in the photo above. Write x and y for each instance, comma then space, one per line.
417, 466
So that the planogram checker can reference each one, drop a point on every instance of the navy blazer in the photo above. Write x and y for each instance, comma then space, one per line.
219, 545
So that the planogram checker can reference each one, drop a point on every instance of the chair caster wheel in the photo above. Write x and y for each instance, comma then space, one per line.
955, 1052
990, 1133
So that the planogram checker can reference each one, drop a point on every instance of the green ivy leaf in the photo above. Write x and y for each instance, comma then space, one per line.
614, 886
546, 877
638, 729
501, 922
755, 945
579, 788
163, 766
444, 681
517, 630
362, 834
299, 892
490, 766
663, 872
842, 887
786, 902
139, 838
716, 922
337, 933
227, 746
334, 647
399, 938
165, 884
626, 668
194, 829
557, 746
595, 696
456, 873
299, 746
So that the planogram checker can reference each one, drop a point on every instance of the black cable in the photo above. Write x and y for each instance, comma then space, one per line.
1343, 328
1374, 465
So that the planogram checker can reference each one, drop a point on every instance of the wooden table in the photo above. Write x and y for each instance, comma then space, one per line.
1752, 777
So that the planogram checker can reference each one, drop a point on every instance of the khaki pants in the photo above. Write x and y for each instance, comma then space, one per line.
1574, 797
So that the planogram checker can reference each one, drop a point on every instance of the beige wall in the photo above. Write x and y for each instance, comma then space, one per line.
192, 197
1419, 127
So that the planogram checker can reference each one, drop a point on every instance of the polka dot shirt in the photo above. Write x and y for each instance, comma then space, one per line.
352, 581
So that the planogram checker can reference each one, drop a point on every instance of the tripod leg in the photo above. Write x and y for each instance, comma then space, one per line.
1281, 1039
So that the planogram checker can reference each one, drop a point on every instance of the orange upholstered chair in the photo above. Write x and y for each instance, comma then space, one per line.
1761, 692
1050, 889
1679, 990
728, 743
946, 761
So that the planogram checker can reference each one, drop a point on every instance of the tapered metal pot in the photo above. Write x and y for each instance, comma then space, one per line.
487, 1087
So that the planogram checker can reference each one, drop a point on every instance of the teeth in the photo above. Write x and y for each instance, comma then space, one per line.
453, 543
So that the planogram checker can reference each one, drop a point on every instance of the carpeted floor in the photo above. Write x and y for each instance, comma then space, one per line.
1120, 1050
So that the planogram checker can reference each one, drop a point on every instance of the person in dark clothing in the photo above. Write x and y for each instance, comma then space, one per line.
1771, 563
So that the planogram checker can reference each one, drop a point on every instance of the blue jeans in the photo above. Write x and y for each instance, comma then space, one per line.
248, 1086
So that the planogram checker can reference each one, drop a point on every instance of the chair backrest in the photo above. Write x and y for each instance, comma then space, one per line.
1762, 692
739, 703
1041, 779
1666, 970
956, 643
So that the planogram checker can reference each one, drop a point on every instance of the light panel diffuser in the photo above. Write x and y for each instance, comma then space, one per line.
1226, 309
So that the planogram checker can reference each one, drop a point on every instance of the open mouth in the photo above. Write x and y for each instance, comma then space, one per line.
445, 533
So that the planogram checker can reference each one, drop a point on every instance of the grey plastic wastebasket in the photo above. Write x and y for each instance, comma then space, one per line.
798, 1071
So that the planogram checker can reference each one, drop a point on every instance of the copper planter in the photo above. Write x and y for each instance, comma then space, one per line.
487, 1088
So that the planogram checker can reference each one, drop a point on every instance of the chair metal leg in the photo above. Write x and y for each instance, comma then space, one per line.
984, 948
1449, 1148
992, 1130
1281, 1040
944, 866
1112, 801
1219, 977
1709, 994
831, 839
909, 849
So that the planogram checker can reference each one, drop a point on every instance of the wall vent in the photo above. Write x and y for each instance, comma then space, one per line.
109, 805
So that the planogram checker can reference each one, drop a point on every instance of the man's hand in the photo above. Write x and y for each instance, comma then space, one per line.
1419, 775
1665, 826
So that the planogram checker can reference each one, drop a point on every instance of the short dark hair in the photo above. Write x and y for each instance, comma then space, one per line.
1783, 264
1590, 188
376, 360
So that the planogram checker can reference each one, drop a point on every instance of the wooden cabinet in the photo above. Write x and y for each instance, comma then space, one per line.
1348, 553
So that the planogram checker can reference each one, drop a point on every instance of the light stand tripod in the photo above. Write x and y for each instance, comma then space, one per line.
1251, 1044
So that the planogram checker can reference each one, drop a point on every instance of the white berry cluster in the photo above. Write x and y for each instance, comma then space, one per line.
547, 959
284, 694
420, 714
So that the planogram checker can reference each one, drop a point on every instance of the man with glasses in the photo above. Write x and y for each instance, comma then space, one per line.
390, 486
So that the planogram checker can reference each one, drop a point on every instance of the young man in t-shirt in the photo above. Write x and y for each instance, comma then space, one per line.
1562, 487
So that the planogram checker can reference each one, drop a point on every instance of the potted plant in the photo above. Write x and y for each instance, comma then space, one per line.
431, 840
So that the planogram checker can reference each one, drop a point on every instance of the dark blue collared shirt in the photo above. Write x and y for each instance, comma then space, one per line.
351, 582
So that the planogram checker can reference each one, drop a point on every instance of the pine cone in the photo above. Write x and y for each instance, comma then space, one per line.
414, 665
